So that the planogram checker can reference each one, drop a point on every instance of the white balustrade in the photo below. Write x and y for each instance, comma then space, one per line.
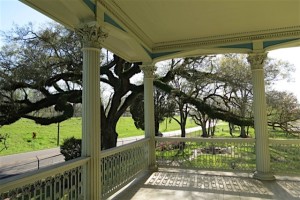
285, 156
61, 181
206, 153
226, 154
122, 164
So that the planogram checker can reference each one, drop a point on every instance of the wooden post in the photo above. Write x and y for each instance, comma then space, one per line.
149, 112
260, 117
92, 35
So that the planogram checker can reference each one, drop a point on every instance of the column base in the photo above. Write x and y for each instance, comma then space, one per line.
153, 168
264, 176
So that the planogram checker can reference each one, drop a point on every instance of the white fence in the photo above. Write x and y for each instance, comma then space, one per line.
206, 153
233, 154
61, 181
285, 156
120, 165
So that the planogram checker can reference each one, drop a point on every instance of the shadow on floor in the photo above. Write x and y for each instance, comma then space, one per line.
191, 185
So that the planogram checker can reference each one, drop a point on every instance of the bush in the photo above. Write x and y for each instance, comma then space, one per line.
71, 148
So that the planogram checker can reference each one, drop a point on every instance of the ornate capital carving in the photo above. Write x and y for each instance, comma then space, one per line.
91, 35
148, 70
256, 60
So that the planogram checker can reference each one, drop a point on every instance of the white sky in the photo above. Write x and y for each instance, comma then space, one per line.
292, 55
15, 12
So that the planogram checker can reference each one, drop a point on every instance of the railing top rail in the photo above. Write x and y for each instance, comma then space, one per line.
284, 141
180, 139
236, 140
114, 150
22, 163
27, 178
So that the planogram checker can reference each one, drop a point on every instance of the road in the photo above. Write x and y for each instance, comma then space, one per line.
19, 163
127, 140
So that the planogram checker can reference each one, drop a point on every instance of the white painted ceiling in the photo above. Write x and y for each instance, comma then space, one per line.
152, 30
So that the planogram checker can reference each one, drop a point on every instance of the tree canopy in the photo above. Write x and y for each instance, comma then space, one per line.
42, 70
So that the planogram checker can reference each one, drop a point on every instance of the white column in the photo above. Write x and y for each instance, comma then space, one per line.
149, 112
263, 172
91, 38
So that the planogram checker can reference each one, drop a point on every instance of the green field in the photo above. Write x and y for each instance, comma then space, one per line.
20, 133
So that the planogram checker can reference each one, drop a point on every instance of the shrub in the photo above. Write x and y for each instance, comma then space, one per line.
71, 148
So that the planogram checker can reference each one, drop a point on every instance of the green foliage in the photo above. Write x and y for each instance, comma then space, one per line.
283, 110
212, 111
71, 148
43, 70
32, 62
164, 107
137, 112
3, 138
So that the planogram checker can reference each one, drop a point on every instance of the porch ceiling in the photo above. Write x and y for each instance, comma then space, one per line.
150, 30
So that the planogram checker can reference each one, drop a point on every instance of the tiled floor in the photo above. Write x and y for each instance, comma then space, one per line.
168, 184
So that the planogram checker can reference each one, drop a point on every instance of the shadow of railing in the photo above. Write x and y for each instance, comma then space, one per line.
194, 185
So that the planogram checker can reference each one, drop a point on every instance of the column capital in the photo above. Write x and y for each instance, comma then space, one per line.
92, 35
256, 60
148, 70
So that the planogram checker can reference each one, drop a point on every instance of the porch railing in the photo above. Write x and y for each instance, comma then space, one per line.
226, 154
61, 181
285, 156
119, 166
206, 153
122, 164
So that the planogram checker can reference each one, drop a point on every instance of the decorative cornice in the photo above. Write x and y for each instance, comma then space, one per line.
148, 70
241, 34
91, 34
256, 60
218, 40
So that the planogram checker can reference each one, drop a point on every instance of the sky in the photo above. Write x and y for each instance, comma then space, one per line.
15, 12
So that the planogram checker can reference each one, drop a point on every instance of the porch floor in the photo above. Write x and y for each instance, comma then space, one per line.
170, 184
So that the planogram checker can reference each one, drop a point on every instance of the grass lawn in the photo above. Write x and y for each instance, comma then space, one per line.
222, 130
20, 133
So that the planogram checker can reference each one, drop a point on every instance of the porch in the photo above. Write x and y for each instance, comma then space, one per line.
199, 185
147, 32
